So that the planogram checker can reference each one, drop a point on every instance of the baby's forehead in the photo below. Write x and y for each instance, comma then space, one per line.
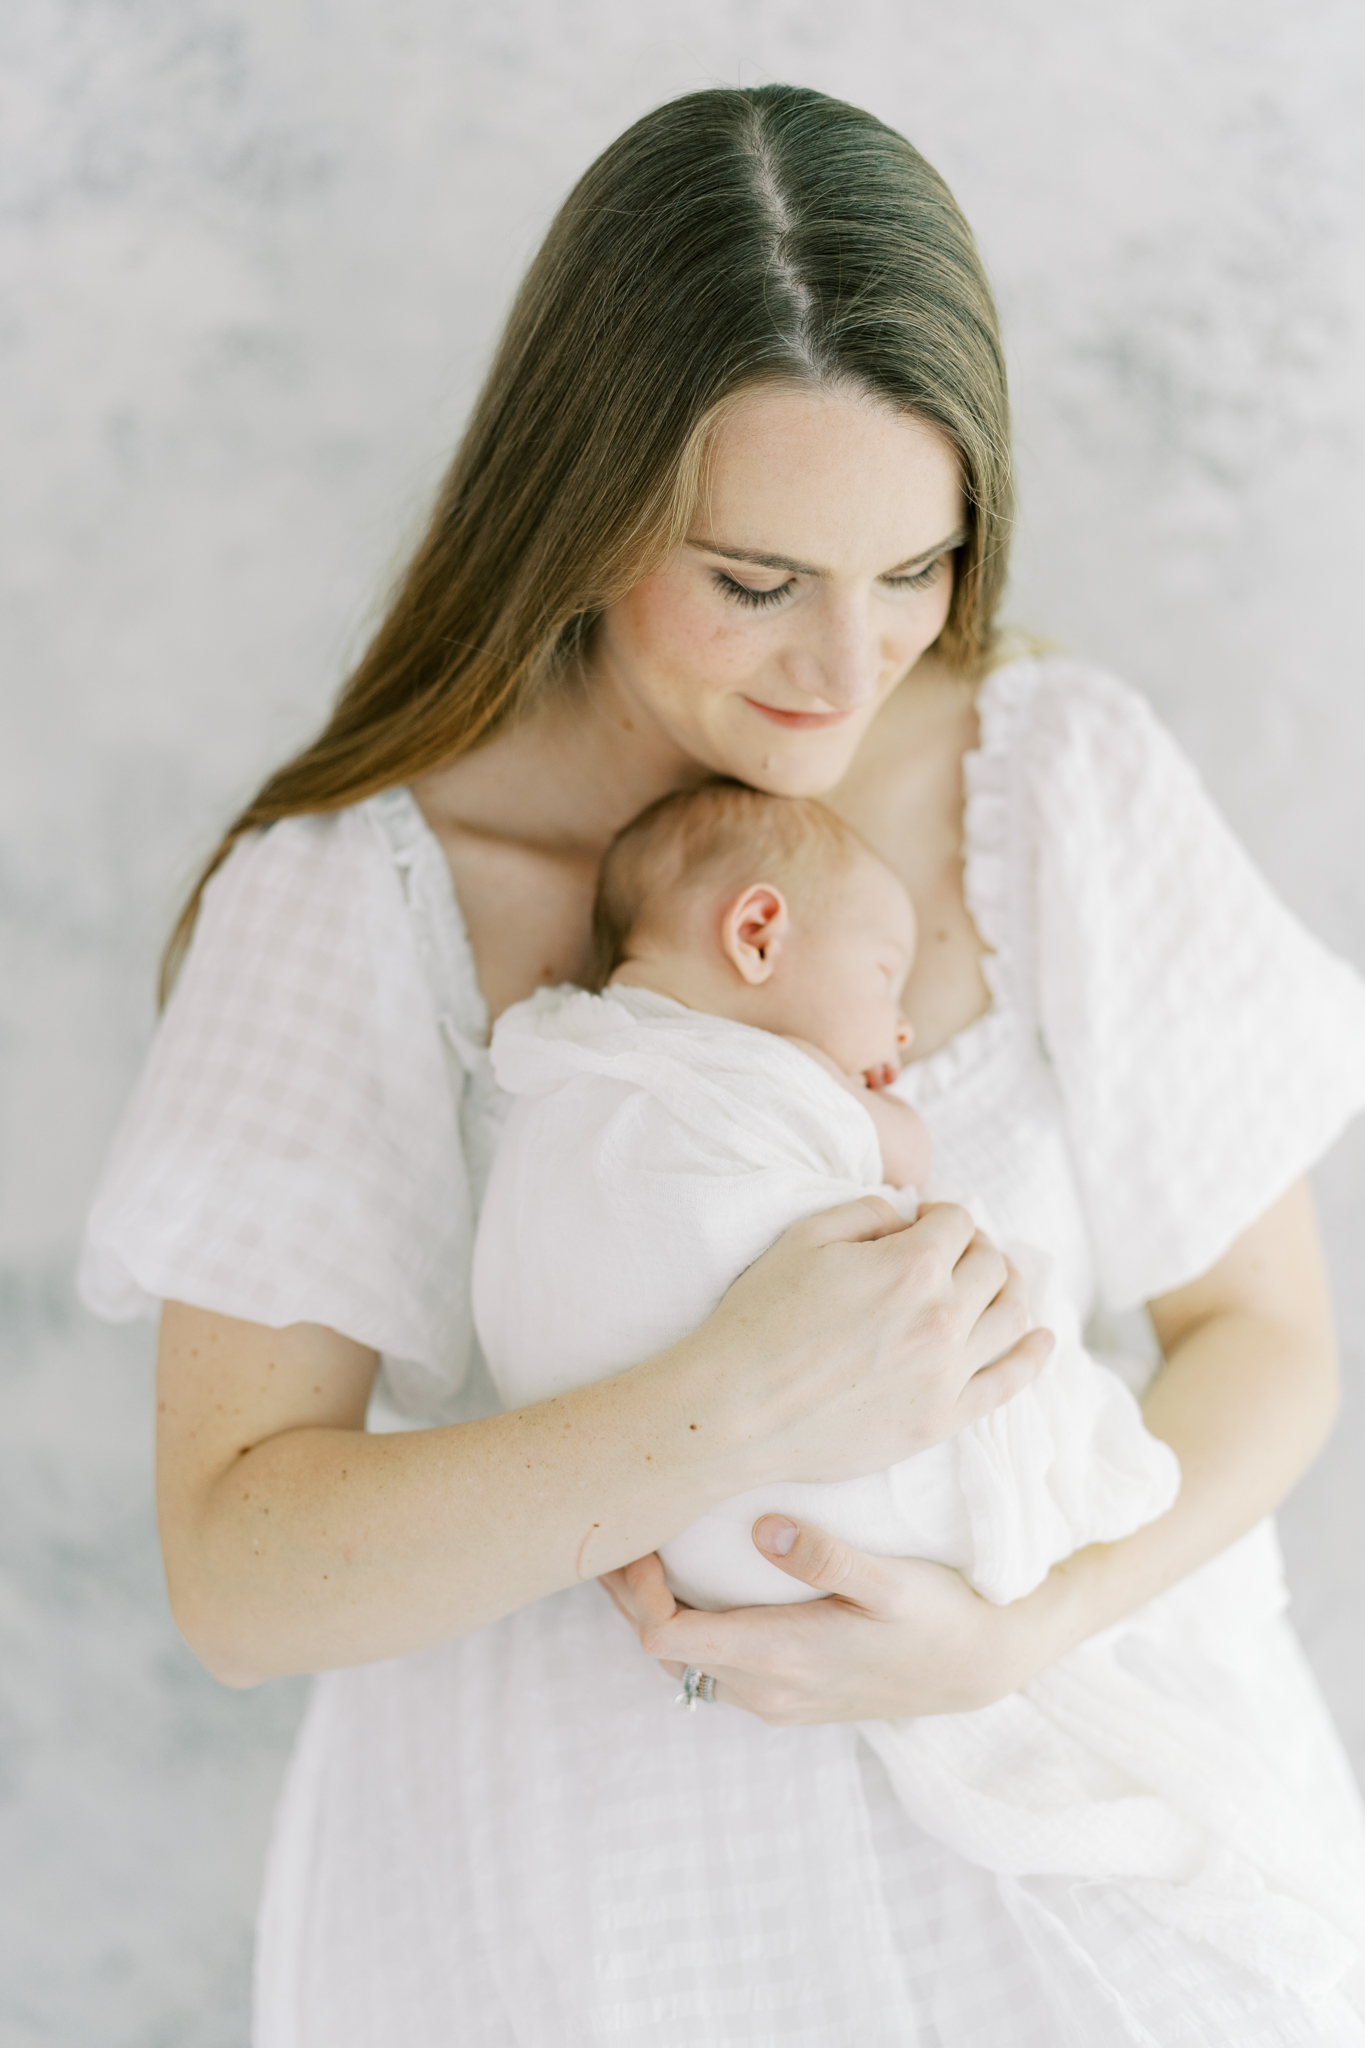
725, 843
844, 888
863, 888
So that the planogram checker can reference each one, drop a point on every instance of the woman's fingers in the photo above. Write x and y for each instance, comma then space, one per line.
999, 1382
1002, 1316
611, 1584
989, 1295
640, 1592
982, 1273
860, 1222
871, 1329
678, 1636
943, 1229
718, 1644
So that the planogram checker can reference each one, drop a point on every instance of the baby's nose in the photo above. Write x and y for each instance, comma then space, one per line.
905, 1034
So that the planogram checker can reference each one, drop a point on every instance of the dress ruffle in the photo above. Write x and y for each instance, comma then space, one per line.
993, 886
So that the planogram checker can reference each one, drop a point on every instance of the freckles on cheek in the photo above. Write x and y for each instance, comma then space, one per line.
696, 642
727, 652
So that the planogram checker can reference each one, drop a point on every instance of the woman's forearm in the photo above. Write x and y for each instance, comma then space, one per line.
294, 1541
1246, 1399
319, 1545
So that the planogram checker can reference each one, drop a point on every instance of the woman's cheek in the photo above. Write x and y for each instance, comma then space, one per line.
733, 648
941, 609
700, 648
923, 631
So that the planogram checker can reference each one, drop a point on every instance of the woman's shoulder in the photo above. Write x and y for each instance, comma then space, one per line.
299, 864
1088, 773
1206, 1048
292, 1152
302, 934
332, 895
1044, 703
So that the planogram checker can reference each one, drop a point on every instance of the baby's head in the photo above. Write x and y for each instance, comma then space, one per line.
767, 909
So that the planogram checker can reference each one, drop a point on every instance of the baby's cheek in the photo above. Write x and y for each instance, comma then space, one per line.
869, 1033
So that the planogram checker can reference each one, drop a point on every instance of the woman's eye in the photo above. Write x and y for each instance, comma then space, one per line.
921, 579
741, 593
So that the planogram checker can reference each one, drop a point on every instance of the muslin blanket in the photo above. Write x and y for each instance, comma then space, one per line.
650, 1154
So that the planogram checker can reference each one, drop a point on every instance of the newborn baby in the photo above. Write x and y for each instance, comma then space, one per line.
828, 980
726, 1082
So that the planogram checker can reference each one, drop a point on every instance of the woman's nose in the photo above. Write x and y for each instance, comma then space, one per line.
852, 664
842, 666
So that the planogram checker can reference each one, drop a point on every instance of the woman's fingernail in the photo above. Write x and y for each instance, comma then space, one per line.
775, 1535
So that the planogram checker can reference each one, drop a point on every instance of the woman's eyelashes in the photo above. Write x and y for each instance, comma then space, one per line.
742, 593
921, 579
760, 600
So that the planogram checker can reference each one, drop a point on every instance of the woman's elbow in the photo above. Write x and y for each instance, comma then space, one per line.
1327, 1375
212, 1633
1309, 1367
229, 1675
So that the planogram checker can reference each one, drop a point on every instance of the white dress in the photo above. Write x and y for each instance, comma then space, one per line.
514, 1839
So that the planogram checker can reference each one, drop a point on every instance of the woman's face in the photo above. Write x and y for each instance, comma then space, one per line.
818, 569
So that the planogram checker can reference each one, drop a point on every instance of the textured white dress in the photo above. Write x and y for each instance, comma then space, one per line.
514, 1839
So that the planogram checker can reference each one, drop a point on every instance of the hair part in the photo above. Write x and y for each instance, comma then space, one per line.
732, 238
714, 840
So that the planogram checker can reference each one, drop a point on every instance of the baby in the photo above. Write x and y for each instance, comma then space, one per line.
728, 1080
827, 979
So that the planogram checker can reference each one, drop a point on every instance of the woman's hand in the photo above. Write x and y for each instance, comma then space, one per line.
859, 1340
895, 1637
1244, 1399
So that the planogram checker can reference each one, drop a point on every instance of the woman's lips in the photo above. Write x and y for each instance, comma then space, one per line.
800, 721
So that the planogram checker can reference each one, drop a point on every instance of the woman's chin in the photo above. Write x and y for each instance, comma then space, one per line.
809, 770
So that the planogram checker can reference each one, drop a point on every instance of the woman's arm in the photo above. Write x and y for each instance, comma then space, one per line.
1245, 1398
294, 1541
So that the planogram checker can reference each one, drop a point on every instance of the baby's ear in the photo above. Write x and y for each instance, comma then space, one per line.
752, 930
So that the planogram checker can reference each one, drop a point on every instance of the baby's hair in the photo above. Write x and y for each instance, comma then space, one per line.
720, 835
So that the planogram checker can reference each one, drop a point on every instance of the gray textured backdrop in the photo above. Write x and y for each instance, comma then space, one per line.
254, 253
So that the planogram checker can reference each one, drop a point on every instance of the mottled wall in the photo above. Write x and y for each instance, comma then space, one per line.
254, 252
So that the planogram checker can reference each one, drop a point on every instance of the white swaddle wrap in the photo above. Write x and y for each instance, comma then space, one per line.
650, 1155
653, 1152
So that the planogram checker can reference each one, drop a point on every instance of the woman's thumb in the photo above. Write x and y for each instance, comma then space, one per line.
817, 1559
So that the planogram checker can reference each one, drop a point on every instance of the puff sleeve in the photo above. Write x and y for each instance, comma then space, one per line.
292, 1152
1207, 1048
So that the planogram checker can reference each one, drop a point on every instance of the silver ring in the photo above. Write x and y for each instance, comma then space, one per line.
697, 1685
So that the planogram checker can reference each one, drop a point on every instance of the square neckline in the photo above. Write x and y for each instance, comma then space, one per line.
988, 873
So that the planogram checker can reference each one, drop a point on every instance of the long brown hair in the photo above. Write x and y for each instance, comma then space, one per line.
731, 237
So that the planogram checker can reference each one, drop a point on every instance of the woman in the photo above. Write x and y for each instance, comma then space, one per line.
735, 499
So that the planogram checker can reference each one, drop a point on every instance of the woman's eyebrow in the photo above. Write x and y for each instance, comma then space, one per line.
785, 562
